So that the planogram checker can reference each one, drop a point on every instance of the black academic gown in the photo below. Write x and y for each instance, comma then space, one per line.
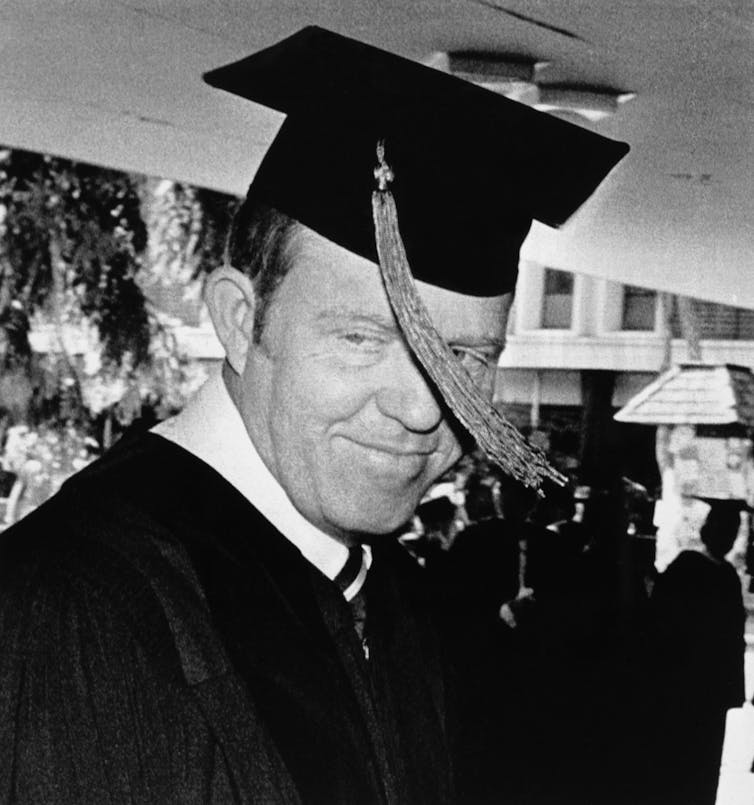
162, 642
498, 756
694, 674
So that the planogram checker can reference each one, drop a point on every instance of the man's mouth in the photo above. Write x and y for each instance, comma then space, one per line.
387, 458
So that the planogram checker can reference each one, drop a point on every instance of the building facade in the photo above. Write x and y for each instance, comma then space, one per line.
569, 331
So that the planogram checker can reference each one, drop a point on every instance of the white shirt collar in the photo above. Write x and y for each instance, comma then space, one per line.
211, 428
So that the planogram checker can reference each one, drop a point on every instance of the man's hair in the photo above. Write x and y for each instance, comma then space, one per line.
259, 246
720, 529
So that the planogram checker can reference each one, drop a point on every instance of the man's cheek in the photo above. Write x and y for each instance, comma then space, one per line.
334, 400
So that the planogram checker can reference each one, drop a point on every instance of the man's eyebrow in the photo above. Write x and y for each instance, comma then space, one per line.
340, 312
483, 341
389, 323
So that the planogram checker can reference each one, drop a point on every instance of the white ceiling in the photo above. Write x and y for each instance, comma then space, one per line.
118, 82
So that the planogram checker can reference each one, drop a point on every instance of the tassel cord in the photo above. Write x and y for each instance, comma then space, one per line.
494, 434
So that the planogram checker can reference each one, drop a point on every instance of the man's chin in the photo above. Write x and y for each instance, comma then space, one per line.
369, 522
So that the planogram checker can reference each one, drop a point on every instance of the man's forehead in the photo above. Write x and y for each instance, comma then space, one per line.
351, 292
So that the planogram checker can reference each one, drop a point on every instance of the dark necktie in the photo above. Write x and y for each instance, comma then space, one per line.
350, 581
352, 575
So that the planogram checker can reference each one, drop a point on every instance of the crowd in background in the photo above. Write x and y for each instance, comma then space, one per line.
577, 658
591, 671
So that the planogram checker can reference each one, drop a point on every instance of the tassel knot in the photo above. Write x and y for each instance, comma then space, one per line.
383, 173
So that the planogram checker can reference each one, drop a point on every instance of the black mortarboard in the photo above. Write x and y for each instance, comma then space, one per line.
724, 507
472, 169
722, 524
436, 512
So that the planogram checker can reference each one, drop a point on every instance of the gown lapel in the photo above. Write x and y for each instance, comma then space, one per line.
262, 597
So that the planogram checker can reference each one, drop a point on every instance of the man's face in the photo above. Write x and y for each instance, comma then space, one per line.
335, 403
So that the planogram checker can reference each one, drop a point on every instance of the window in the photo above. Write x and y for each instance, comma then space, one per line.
639, 307
715, 321
557, 301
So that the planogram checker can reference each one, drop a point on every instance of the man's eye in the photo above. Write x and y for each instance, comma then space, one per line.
361, 339
357, 339
470, 356
480, 366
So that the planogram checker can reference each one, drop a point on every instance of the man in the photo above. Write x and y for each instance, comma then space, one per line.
214, 611
695, 665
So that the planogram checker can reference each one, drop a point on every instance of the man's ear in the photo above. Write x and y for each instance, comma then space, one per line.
231, 302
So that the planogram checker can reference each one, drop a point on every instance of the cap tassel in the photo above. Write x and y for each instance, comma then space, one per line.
493, 433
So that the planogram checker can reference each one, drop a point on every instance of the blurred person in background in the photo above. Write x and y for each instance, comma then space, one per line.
478, 584
566, 645
695, 663
437, 523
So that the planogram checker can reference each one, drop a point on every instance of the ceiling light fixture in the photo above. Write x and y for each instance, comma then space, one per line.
518, 78
591, 103
514, 76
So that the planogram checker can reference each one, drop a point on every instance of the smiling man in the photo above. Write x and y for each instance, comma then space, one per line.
216, 610
330, 394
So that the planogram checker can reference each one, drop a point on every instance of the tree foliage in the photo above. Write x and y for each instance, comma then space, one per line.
80, 247
188, 227
73, 240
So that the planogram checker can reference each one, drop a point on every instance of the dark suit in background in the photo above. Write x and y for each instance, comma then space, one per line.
696, 668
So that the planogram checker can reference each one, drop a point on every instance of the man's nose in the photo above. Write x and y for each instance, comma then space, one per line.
407, 394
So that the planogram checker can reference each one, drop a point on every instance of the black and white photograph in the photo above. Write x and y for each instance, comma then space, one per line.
376, 402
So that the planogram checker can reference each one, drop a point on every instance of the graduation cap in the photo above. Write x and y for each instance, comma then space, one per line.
472, 168
460, 174
721, 509
722, 523
436, 512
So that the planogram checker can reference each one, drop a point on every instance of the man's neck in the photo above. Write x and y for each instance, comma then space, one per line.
211, 427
